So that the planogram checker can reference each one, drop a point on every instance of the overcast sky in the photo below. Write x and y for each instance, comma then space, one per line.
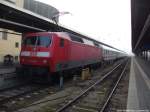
107, 21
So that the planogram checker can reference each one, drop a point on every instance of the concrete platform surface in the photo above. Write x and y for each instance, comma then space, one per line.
7, 70
139, 86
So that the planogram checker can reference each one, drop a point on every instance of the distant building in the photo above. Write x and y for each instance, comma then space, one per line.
41, 9
18, 3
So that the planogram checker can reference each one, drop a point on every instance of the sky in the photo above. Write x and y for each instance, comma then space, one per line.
107, 21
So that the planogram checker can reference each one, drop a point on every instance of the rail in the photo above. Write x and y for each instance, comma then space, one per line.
88, 89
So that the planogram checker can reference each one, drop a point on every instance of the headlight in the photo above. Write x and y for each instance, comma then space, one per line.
44, 61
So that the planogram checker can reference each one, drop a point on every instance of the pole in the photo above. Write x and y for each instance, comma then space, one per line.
61, 80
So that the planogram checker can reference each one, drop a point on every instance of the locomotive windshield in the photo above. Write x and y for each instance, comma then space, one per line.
37, 40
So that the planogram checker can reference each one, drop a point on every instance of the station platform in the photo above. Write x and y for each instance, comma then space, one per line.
6, 70
139, 86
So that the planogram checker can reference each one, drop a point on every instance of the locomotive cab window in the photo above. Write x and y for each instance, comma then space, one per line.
29, 40
43, 41
62, 42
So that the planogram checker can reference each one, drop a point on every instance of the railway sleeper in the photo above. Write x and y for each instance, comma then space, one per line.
88, 105
83, 109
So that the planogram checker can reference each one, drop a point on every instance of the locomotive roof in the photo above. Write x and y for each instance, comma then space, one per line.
61, 34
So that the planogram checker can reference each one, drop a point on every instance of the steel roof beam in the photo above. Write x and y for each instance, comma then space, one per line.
3, 23
40, 23
146, 26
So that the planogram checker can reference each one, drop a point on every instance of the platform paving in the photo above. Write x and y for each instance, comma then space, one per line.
139, 86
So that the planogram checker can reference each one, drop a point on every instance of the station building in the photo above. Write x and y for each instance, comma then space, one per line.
10, 41
10, 44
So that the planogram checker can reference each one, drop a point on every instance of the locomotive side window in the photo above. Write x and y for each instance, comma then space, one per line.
62, 42
88, 42
76, 38
96, 44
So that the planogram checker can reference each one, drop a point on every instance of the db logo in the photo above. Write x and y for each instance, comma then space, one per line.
33, 54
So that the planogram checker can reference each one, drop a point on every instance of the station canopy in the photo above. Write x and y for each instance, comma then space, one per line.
140, 13
22, 21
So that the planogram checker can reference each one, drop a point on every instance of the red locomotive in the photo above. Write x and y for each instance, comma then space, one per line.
47, 52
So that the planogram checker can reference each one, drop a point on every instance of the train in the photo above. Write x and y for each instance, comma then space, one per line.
51, 52
110, 54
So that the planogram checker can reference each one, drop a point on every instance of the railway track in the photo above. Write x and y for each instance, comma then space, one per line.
13, 86
95, 98
103, 108
68, 102
18, 91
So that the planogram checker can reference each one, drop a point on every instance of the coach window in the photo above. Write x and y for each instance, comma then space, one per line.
62, 42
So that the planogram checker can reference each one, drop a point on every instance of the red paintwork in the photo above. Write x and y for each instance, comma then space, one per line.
72, 51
